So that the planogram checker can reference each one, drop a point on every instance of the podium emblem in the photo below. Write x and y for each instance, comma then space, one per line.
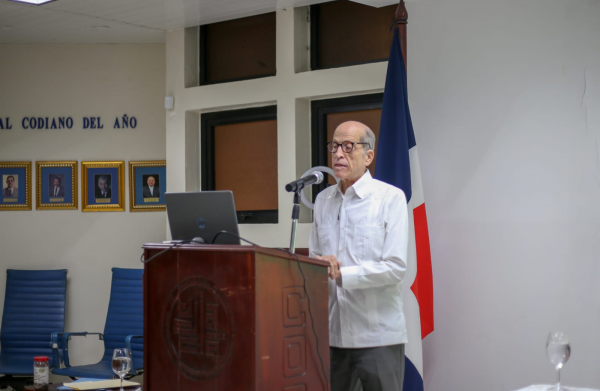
199, 328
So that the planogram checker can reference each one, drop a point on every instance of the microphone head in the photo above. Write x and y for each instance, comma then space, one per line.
319, 176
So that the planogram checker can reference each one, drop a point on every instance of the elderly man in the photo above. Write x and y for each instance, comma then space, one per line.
151, 191
10, 191
361, 228
103, 189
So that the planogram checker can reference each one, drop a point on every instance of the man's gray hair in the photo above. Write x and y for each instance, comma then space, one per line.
369, 138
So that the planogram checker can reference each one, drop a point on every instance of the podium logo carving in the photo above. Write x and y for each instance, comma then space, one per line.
199, 329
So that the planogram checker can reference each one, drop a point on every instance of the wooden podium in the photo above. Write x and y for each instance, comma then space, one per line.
233, 318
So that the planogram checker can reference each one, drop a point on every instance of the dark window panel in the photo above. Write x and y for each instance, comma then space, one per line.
246, 163
238, 49
345, 33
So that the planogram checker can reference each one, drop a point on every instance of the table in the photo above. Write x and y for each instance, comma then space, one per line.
27, 386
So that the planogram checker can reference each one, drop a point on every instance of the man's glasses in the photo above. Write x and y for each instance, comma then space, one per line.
347, 146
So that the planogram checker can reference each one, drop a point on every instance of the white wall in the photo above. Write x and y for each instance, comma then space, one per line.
505, 98
81, 80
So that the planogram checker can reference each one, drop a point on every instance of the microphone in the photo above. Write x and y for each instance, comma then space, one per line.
313, 179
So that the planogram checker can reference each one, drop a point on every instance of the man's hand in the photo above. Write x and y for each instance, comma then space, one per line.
334, 266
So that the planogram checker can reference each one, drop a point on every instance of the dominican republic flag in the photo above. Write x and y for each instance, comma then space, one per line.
398, 165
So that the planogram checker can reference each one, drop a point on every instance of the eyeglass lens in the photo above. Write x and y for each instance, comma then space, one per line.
347, 146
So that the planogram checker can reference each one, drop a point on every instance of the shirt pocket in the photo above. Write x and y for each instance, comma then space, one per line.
368, 241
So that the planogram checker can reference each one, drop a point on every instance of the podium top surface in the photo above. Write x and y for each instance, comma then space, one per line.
236, 248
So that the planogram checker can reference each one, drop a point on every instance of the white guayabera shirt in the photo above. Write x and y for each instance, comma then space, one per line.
367, 230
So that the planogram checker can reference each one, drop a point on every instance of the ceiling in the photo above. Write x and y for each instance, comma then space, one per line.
126, 21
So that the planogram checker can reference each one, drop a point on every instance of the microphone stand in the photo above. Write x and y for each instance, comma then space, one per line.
295, 216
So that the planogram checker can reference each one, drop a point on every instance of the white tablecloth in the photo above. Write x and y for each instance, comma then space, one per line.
544, 387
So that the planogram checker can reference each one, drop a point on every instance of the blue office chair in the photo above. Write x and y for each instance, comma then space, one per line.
124, 328
34, 307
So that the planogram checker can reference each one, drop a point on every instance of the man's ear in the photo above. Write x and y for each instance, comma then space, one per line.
369, 158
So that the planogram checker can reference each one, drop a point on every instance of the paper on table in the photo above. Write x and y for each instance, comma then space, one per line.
94, 385
83, 379
544, 387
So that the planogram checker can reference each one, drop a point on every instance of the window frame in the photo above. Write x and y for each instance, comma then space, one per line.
208, 122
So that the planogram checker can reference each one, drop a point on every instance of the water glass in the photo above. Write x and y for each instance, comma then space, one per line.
558, 350
121, 363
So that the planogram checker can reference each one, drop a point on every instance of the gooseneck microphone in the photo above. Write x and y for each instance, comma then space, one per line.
313, 179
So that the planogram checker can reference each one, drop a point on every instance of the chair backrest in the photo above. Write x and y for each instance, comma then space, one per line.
125, 313
34, 307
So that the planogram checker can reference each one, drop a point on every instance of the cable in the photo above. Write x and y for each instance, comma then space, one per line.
312, 321
142, 260
237, 236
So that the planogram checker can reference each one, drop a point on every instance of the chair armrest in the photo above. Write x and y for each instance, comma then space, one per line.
128, 346
61, 354
57, 349
67, 336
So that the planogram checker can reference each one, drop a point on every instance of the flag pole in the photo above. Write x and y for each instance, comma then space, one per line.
401, 22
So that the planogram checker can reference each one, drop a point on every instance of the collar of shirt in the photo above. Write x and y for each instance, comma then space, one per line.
362, 187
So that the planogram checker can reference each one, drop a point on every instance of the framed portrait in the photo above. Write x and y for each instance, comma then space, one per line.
147, 185
16, 185
57, 185
103, 186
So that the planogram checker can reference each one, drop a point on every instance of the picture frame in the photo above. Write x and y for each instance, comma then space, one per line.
147, 185
103, 186
57, 187
16, 186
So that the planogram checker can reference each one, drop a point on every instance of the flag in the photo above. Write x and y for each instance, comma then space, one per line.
398, 165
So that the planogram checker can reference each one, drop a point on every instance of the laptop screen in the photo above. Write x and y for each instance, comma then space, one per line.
202, 215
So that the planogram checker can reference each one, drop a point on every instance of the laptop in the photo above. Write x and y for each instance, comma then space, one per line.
202, 215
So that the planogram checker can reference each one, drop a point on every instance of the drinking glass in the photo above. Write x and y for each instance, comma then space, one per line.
558, 350
121, 363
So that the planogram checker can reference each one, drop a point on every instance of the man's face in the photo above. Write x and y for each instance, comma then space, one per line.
56, 182
102, 185
10, 181
349, 167
151, 181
